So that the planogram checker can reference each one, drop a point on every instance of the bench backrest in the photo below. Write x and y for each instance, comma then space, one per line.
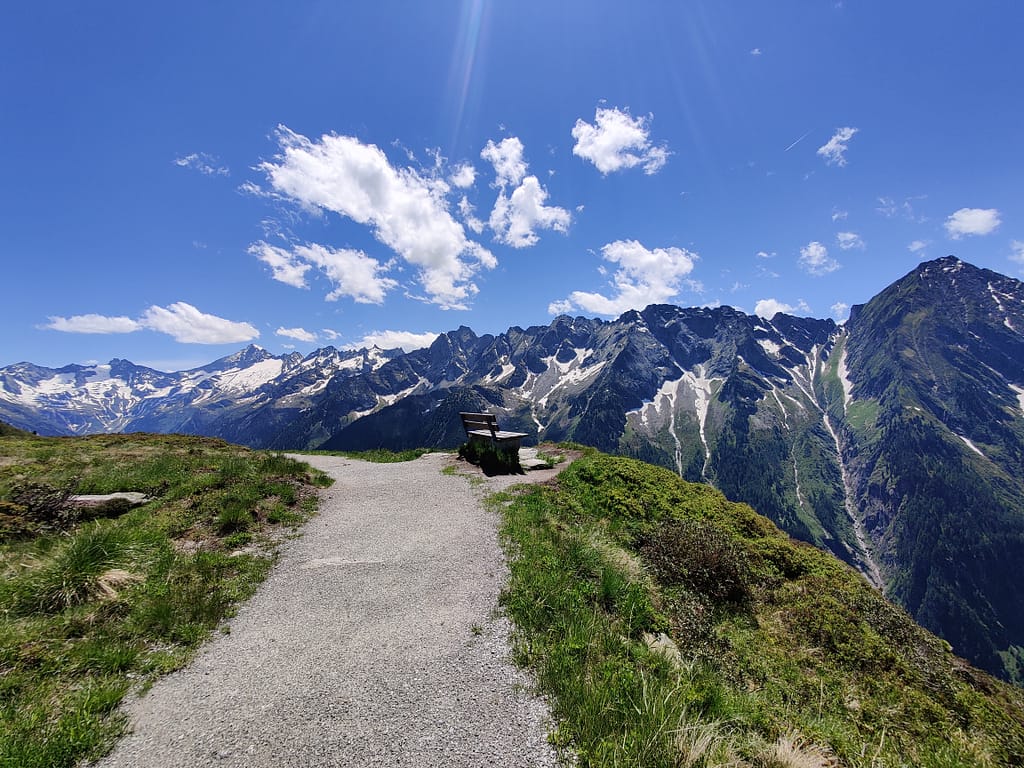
486, 421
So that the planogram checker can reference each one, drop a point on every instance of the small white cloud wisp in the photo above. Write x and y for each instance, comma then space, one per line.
834, 151
768, 308
298, 334
644, 276
972, 221
517, 215
407, 341
180, 321
616, 141
814, 259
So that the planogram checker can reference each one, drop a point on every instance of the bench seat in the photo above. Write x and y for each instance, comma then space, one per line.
497, 435
483, 427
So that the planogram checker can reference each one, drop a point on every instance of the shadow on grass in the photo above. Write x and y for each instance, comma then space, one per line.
491, 460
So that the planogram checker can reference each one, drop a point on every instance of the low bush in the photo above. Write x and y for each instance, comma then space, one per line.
45, 505
700, 556
491, 460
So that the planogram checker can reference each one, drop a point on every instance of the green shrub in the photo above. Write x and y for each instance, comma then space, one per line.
44, 504
700, 556
14, 521
490, 459
234, 517
277, 464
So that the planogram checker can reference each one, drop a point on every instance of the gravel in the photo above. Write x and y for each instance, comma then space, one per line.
375, 641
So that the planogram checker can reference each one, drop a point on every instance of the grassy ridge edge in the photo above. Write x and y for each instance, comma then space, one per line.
671, 627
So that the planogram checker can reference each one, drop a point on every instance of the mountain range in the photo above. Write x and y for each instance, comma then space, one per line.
894, 441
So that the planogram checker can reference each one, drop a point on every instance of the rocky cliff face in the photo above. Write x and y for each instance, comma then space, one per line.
896, 442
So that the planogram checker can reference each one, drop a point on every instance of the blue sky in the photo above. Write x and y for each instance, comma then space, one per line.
182, 179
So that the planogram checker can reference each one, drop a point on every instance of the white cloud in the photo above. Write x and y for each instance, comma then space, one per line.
834, 151
515, 219
617, 140
181, 321
516, 216
463, 176
561, 307
299, 334
285, 268
208, 165
186, 324
353, 273
405, 211
755, 51
765, 255
972, 221
330, 334
889, 208
405, 340
768, 308
849, 240
839, 310
1017, 251
815, 260
644, 276
917, 246
468, 213
507, 159
838, 215
93, 324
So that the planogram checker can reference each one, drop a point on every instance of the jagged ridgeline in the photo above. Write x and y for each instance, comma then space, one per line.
896, 441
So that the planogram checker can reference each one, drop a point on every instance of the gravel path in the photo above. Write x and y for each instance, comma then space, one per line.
374, 642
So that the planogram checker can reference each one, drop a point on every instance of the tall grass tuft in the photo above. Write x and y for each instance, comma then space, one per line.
92, 563
792, 750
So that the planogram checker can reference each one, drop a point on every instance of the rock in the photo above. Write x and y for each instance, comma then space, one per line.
94, 500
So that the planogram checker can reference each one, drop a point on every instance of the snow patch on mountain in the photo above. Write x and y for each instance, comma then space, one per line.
507, 369
1020, 396
560, 375
972, 446
253, 377
782, 408
654, 414
390, 399
844, 379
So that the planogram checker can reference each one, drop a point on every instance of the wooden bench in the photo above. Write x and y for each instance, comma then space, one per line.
483, 427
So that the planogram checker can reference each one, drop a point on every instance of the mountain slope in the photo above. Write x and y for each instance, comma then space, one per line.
895, 442
673, 627
938, 360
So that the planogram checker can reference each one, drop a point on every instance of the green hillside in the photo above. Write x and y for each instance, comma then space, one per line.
96, 600
6, 430
674, 628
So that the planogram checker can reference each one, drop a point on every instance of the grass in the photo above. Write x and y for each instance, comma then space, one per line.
671, 627
90, 608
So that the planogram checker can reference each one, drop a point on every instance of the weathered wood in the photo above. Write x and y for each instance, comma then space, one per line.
483, 427
94, 500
